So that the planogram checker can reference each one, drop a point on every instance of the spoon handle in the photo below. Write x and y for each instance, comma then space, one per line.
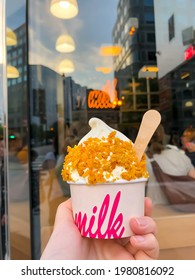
150, 121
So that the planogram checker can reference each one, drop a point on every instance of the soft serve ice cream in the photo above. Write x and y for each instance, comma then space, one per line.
107, 182
104, 155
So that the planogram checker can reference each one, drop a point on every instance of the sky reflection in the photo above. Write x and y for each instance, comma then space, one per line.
90, 29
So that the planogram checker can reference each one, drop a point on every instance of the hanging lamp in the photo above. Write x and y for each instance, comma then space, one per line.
64, 9
11, 38
12, 72
65, 44
66, 66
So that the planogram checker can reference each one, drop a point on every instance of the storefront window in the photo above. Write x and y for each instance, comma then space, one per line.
58, 65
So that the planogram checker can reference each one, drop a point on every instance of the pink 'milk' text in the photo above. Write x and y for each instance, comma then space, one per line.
113, 229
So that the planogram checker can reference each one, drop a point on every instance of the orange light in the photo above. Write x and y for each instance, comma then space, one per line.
132, 30
110, 50
104, 70
120, 102
149, 68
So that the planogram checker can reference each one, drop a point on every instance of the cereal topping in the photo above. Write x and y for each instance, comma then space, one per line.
96, 160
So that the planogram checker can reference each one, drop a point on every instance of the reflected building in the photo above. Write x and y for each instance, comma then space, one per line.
134, 30
52, 97
45, 88
75, 101
17, 86
176, 60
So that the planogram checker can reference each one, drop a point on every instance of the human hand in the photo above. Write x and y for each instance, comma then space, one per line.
66, 242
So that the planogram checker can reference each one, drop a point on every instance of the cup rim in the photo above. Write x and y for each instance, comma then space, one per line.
111, 183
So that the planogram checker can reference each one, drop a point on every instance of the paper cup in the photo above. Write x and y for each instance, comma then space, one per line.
103, 211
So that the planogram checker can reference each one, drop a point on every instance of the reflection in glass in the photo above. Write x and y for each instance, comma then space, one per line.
59, 107
66, 66
64, 9
65, 43
12, 72
110, 50
11, 38
4, 248
18, 149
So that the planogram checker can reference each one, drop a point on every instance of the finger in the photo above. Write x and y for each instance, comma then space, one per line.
148, 207
146, 245
143, 225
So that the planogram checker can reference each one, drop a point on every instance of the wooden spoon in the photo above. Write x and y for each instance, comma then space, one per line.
150, 121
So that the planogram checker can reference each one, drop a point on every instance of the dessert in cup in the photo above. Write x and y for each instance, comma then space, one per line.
107, 176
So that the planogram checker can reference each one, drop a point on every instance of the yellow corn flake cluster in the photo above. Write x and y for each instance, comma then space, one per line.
95, 159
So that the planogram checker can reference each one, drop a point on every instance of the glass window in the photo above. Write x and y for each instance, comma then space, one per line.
134, 3
126, 28
154, 100
150, 37
14, 54
14, 62
18, 161
142, 102
148, 3
171, 27
149, 18
125, 10
188, 113
4, 228
19, 80
187, 94
152, 56
135, 56
51, 99
20, 60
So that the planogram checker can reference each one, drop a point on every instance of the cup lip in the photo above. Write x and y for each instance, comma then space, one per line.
139, 180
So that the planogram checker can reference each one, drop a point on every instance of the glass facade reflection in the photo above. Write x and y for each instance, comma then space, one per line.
4, 248
114, 64
18, 132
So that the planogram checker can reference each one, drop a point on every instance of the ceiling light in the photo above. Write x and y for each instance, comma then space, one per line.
12, 72
64, 9
110, 50
189, 104
11, 38
66, 66
65, 43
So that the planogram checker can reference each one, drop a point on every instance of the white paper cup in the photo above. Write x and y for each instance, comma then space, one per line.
103, 211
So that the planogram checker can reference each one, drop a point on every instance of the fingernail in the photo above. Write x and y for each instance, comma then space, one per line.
139, 238
141, 221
